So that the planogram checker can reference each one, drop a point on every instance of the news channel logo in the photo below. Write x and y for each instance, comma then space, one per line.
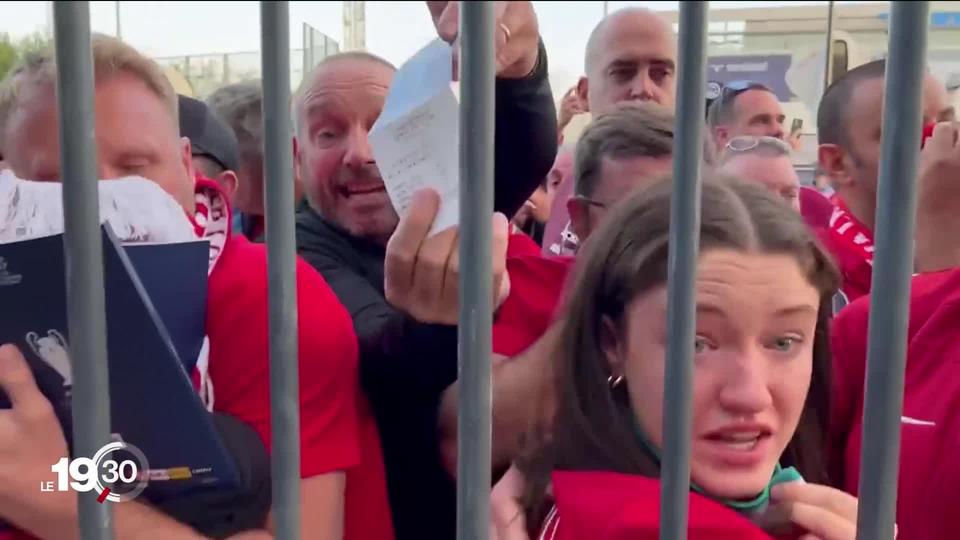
117, 472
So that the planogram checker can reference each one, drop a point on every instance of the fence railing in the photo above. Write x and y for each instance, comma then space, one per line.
86, 311
888, 316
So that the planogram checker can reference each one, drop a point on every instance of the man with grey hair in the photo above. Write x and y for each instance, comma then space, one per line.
380, 263
765, 160
618, 152
239, 105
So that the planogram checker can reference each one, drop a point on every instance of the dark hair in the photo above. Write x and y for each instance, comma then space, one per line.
722, 110
593, 426
629, 130
835, 103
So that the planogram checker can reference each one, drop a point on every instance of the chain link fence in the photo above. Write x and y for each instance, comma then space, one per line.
204, 73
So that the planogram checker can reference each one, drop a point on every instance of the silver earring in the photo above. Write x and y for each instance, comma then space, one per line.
614, 381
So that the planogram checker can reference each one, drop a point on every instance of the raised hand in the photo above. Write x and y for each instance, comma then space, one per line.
422, 272
821, 512
31, 441
570, 106
517, 35
938, 200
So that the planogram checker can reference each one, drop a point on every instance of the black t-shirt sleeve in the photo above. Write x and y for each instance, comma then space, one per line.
393, 346
525, 141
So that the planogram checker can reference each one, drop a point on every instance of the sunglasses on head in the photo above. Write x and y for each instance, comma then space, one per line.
733, 89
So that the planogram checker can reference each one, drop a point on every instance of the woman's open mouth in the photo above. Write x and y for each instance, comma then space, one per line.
741, 446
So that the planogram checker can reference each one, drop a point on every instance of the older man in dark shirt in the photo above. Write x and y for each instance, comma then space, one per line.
407, 363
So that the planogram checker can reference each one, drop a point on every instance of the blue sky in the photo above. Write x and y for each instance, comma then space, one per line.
395, 30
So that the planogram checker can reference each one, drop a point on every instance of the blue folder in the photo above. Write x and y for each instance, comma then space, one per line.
175, 277
152, 400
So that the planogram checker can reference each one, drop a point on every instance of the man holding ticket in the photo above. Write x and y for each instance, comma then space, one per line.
407, 358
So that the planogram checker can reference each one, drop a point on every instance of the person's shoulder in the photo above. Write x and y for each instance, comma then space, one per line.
313, 233
537, 264
327, 247
240, 278
934, 304
538, 275
240, 260
536, 286
519, 244
238, 314
927, 292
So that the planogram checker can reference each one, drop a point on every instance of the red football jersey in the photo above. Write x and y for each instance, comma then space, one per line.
927, 496
536, 285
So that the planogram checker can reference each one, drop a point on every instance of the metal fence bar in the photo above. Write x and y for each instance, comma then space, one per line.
892, 269
281, 252
828, 52
682, 270
476, 207
86, 312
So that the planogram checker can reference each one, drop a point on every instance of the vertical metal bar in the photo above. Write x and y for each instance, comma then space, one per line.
828, 55
305, 39
682, 269
281, 252
476, 207
117, 11
86, 312
892, 269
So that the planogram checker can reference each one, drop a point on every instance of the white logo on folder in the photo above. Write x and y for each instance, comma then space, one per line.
915, 422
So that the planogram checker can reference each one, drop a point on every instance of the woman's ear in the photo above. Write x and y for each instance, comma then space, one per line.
613, 346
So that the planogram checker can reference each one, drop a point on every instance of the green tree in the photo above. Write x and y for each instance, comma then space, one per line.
8, 55
12, 51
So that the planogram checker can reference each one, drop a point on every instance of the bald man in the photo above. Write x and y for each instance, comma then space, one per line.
631, 56
848, 128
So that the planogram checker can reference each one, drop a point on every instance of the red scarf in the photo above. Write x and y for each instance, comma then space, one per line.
211, 222
855, 236
851, 244
211, 219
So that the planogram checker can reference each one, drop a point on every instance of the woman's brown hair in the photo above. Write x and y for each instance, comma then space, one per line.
593, 428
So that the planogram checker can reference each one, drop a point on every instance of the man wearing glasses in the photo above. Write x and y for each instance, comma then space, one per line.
625, 149
618, 152
765, 160
745, 108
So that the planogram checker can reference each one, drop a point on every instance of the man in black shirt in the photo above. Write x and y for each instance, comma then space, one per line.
406, 364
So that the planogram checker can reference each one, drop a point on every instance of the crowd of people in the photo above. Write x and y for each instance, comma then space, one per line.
580, 265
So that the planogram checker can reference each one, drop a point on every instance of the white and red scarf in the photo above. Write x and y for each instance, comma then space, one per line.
855, 237
211, 222
211, 219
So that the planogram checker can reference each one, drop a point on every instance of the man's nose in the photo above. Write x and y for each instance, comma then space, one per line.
359, 152
642, 87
